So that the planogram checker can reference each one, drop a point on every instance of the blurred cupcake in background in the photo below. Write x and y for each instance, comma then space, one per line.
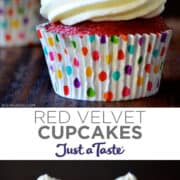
104, 50
18, 19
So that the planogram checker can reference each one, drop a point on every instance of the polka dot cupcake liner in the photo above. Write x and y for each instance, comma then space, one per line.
18, 19
102, 68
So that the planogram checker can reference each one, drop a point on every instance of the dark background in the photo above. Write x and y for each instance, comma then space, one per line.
172, 8
90, 170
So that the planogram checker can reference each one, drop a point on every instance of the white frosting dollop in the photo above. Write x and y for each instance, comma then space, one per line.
46, 177
128, 176
70, 12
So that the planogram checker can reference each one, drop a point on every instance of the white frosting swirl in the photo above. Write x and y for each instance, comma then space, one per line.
70, 12
128, 176
46, 177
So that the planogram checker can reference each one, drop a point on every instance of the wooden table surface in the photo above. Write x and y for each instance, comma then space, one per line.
24, 80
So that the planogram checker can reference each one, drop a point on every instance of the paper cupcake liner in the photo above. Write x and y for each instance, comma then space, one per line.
102, 68
17, 22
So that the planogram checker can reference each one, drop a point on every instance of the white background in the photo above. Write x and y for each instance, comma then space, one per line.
19, 138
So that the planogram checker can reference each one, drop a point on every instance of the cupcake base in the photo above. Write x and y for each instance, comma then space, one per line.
104, 68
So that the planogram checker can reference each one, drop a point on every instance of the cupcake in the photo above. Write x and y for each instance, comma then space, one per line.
18, 19
128, 176
46, 177
104, 50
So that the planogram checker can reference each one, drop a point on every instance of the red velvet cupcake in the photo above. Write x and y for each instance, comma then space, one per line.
103, 58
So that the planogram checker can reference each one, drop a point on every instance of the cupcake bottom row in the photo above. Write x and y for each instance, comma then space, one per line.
128, 176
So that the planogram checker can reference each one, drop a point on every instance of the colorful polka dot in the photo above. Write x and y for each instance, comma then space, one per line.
76, 62
59, 74
77, 83
103, 39
45, 51
26, 20
91, 93
102, 76
50, 41
121, 55
108, 96
1, 11
140, 60
8, 37
51, 68
124, 37
149, 86
65, 51
141, 41
73, 43
95, 55
126, 92
140, 81
21, 35
59, 57
155, 53
149, 48
131, 49
156, 68
3, 25
15, 24
57, 38
85, 51
148, 68
128, 70
66, 90
10, 12
108, 58
20, 10
51, 55
89, 71
114, 39
164, 37
39, 35
69, 70
92, 39
116, 75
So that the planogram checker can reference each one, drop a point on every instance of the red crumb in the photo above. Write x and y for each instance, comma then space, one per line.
109, 28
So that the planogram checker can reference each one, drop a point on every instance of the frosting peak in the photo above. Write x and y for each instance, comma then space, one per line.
128, 176
45, 177
70, 12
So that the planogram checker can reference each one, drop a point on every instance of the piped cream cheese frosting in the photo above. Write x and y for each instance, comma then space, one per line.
46, 177
70, 12
128, 176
